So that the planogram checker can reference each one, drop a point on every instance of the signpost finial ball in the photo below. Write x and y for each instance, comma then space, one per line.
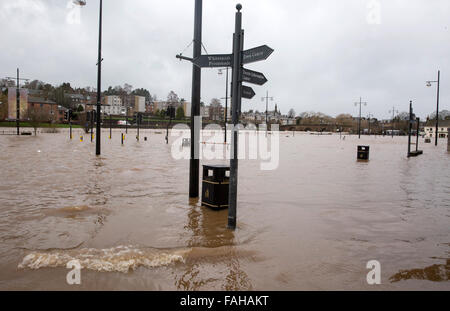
238, 6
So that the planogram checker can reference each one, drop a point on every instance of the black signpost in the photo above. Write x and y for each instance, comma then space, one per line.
247, 92
218, 60
256, 54
238, 91
253, 77
240, 74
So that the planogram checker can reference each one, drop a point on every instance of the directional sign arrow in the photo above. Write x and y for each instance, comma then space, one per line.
254, 77
247, 92
256, 54
214, 60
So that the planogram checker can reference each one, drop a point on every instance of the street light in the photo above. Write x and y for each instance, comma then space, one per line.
359, 121
437, 105
99, 75
393, 111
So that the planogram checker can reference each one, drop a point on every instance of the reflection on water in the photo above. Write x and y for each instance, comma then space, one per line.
206, 229
312, 224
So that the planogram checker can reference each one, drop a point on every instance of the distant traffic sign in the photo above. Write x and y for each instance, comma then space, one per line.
256, 54
254, 77
247, 92
215, 60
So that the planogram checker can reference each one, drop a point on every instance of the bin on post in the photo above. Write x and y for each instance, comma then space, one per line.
363, 153
215, 186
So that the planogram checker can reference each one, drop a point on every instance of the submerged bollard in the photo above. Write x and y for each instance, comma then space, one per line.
122, 138
145, 138
363, 153
81, 138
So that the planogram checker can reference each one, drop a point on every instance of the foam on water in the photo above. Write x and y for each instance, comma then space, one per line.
115, 259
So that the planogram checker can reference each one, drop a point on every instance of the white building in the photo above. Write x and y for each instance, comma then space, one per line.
113, 104
443, 126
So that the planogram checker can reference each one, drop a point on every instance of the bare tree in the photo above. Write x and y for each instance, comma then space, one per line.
291, 113
36, 117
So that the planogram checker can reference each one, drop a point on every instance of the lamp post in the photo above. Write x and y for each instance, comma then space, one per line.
393, 111
359, 120
437, 105
99, 76
17, 100
267, 106
226, 101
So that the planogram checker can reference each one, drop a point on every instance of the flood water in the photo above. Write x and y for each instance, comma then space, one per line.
311, 224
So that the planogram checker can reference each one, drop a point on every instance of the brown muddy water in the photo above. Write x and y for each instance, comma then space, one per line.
311, 224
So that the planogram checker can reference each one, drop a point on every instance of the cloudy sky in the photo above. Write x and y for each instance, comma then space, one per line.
327, 54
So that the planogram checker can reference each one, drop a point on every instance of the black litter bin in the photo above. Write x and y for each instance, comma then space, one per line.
215, 186
363, 153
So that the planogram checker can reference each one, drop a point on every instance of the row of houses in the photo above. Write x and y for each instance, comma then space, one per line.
273, 116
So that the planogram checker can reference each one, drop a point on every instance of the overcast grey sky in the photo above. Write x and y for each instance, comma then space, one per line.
327, 54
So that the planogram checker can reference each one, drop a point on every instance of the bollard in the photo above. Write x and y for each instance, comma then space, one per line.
363, 153
81, 138
215, 186
122, 138
145, 138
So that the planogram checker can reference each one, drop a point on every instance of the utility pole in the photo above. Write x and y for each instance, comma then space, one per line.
393, 122
267, 106
99, 83
238, 44
17, 100
195, 103
359, 121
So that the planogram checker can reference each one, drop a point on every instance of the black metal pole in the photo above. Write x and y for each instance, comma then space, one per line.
99, 83
417, 134
70, 123
194, 163
437, 109
369, 123
18, 104
110, 126
126, 115
359, 121
409, 128
92, 125
138, 122
226, 106
236, 91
